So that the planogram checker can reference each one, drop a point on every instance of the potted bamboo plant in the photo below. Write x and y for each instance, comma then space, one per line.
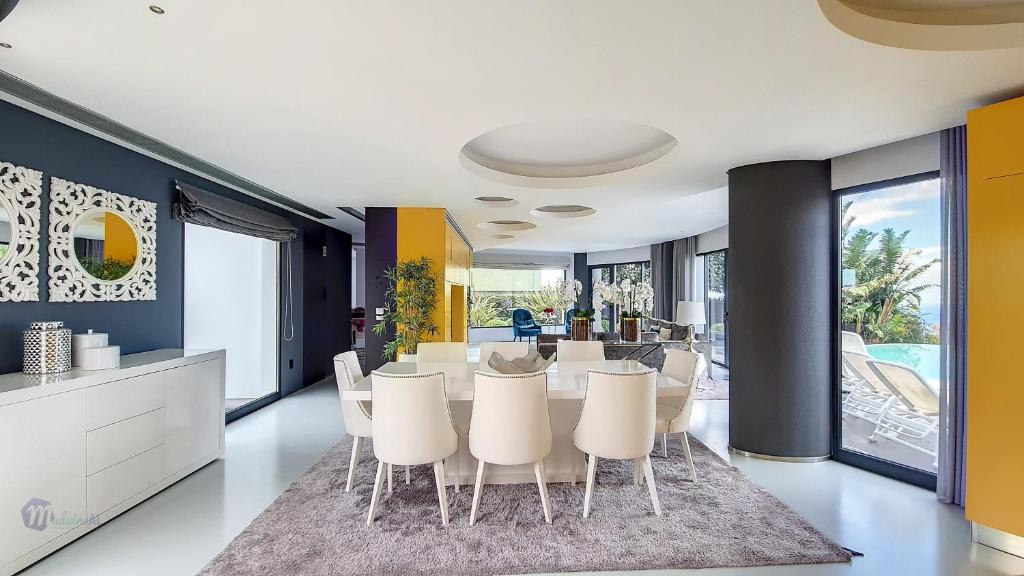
409, 305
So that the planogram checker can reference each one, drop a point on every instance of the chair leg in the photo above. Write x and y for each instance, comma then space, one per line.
353, 462
664, 445
407, 477
378, 483
689, 457
636, 472
542, 485
442, 492
476, 491
649, 473
391, 488
458, 469
591, 472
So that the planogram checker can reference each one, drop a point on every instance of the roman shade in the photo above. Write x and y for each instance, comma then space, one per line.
197, 206
203, 208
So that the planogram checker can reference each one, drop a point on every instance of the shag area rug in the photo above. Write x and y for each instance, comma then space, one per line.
724, 519
714, 389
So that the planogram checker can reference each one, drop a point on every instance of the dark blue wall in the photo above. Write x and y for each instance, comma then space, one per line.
381, 253
28, 139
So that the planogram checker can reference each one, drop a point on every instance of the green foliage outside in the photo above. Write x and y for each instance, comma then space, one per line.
409, 305
884, 304
493, 309
108, 269
3, 251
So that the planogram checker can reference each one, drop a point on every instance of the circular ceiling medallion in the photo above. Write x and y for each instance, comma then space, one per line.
565, 153
506, 225
563, 211
496, 201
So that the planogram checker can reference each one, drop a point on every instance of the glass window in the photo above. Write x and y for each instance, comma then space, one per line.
497, 292
890, 289
716, 302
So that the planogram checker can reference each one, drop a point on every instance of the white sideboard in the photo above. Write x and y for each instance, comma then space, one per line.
79, 448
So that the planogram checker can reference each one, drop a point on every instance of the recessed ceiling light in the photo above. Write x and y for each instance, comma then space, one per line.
506, 225
563, 211
156, 9
503, 236
496, 201
5, 45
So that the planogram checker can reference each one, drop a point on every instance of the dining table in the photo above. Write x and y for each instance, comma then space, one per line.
567, 386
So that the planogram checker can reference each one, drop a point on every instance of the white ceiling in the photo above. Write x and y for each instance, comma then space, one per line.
339, 103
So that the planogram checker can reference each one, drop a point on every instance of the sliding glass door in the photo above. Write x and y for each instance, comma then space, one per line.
635, 272
889, 284
717, 303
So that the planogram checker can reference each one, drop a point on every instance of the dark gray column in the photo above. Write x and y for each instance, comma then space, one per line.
582, 273
780, 328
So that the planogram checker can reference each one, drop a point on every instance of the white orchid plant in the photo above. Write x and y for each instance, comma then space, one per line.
636, 299
568, 292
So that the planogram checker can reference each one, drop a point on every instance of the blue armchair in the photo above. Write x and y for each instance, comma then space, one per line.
523, 324
568, 320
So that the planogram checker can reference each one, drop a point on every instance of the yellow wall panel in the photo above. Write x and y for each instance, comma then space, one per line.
995, 389
118, 239
421, 232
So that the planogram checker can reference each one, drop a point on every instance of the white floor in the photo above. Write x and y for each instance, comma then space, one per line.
901, 530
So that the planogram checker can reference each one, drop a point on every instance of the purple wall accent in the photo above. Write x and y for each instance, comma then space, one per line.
381, 253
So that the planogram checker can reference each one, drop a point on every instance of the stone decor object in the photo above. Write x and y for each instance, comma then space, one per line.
20, 197
69, 282
529, 364
92, 351
47, 348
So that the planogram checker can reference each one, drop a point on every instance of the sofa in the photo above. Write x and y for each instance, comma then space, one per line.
654, 358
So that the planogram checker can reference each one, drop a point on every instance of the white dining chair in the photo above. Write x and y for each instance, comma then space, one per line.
580, 351
510, 426
411, 426
509, 350
355, 414
441, 352
673, 414
617, 422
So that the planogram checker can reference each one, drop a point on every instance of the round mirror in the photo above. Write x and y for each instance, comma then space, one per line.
6, 230
106, 245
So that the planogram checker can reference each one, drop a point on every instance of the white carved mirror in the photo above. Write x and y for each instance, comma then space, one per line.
20, 192
102, 245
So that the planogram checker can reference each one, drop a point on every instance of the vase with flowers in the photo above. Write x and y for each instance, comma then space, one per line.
635, 301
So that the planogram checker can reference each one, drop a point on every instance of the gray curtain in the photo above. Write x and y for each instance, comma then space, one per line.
197, 206
953, 175
684, 256
661, 280
672, 275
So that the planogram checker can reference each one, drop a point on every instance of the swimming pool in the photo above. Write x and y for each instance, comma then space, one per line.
924, 358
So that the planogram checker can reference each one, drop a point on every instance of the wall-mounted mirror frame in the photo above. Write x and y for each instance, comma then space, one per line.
69, 281
20, 197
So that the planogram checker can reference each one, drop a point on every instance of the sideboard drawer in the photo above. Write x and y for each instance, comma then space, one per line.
122, 440
114, 485
116, 401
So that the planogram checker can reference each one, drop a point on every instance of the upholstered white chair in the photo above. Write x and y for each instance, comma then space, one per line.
580, 351
617, 422
673, 415
510, 426
441, 352
412, 426
356, 415
509, 350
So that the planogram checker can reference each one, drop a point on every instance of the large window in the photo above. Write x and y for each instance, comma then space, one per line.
889, 278
716, 302
497, 292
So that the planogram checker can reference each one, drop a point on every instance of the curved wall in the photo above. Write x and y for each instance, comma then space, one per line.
779, 309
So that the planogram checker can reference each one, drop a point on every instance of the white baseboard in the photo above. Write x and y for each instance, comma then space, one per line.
1003, 541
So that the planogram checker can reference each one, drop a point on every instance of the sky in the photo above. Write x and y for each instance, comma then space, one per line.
913, 207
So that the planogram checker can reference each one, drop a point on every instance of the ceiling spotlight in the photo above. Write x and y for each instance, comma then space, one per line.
5, 45
156, 9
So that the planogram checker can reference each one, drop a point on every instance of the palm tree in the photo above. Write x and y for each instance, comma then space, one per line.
884, 304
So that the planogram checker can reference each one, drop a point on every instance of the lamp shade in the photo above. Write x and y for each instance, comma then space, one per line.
690, 312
